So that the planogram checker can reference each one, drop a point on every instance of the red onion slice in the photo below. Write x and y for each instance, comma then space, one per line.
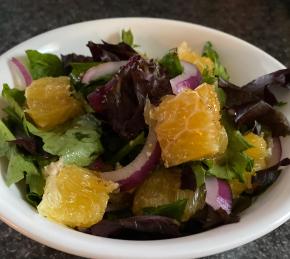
22, 72
218, 194
189, 79
276, 151
133, 174
101, 70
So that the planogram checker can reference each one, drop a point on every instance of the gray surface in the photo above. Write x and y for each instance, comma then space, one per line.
265, 24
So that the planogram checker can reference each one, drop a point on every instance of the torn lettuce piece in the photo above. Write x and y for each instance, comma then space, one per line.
5, 136
123, 98
44, 64
76, 143
199, 172
137, 228
35, 188
207, 77
173, 210
221, 96
234, 163
127, 37
78, 70
128, 148
71, 58
15, 99
105, 52
219, 69
19, 166
171, 63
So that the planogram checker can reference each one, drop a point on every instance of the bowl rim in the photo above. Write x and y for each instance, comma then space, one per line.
174, 248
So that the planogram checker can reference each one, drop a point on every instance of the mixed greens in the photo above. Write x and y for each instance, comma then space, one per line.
122, 146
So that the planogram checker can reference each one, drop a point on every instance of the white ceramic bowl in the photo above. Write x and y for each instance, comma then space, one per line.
156, 36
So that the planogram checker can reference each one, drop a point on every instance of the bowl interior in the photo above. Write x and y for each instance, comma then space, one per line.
244, 62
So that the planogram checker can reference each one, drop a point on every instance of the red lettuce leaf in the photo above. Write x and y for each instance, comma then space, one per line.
104, 52
72, 58
27, 143
236, 95
264, 178
187, 179
31, 146
119, 201
122, 100
241, 203
208, 218
253, 102
260, 86
264, 114
256, 90
137, 227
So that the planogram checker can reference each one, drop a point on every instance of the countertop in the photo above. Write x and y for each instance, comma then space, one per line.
263, 23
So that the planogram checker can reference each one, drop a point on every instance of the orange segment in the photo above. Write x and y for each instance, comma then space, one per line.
259, 153
238, 187
162, 187
50, 102
188, 126
75, 196
259, 150
186, 54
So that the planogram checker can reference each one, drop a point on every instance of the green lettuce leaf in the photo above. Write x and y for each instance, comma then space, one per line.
221, 96
19, 165
172, 210
199, 172
207, 77
127, 37
5, 136
36, 184
235, 162
219, 69
172, 64
78, 70
42, 65
15, 99
129, 147
76, 143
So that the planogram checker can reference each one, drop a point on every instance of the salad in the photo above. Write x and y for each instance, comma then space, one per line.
120, 145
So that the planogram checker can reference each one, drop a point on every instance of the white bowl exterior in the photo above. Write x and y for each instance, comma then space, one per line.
244, 62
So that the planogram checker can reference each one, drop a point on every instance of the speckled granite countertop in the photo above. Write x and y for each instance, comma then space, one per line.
263, 23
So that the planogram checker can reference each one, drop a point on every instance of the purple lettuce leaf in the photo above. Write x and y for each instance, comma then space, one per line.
264, 178
265, 114
122, 104
187, 179
241, 203
105, 228
252, 103
208, 218
256, 90
137, 227
119, 201
104, 52
27, 143
260, 86
236, 95
73, 58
